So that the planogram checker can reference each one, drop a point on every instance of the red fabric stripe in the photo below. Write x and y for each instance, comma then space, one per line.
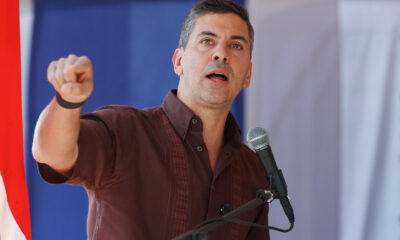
180, 202
11, 138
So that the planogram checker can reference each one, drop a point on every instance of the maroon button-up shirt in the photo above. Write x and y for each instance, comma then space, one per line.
148, 176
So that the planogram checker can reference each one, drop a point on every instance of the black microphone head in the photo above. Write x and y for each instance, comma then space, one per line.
258, 138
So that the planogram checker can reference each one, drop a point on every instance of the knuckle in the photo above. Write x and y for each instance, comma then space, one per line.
53, 82
67, 69
51, 65
59, 76
85, 59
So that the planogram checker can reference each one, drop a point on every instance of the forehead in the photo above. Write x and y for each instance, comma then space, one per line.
221, 23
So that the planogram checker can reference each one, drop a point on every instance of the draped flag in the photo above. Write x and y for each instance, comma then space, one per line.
14, 204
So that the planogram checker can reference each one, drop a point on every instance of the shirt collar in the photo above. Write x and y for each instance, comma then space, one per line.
180, 117
177, 112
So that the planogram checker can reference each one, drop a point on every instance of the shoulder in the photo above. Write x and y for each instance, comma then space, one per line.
245, 150
116, 114
122, 121
251, 169
122, 110
251, 160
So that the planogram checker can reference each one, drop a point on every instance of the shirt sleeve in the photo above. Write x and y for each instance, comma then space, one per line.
96, 158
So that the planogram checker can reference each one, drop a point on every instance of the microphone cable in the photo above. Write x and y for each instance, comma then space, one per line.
237, 221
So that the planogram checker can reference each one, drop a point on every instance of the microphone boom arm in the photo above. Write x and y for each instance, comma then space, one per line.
200, 231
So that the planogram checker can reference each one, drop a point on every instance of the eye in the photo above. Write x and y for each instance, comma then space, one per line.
206, 41
237, 46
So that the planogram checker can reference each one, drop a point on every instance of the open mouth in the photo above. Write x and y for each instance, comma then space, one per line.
217, 77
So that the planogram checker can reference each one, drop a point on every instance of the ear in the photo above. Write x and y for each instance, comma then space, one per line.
177, 61
246, 82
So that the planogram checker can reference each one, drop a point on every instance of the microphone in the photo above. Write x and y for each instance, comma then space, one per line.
258, 139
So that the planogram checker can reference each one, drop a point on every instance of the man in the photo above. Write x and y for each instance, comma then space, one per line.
156, 173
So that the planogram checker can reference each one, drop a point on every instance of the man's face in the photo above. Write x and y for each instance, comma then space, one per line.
216, 64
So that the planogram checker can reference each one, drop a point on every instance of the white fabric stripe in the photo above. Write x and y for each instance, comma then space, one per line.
294, 94
9, 229
26, 13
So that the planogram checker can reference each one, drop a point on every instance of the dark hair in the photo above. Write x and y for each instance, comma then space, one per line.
213, 6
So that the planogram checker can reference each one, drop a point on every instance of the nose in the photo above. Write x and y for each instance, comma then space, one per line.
220, 55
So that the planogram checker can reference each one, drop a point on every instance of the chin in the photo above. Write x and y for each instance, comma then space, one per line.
217, 102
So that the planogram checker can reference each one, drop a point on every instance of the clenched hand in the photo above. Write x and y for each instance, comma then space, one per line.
72, 77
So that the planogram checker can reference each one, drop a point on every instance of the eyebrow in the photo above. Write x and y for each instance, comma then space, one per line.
206, 33
234, 37
240, 38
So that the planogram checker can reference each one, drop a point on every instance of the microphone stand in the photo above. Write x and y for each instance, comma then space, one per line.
200, 232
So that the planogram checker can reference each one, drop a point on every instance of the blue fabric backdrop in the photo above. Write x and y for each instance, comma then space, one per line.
131, 45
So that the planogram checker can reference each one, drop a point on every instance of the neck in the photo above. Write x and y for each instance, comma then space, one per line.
213, 119
213, 132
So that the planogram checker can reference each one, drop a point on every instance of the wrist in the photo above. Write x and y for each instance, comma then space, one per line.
65, 104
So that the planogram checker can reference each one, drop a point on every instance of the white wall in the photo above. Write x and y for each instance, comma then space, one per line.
326, 83
295, 95
370, 118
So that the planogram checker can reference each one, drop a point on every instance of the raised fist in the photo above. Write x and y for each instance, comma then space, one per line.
72, 77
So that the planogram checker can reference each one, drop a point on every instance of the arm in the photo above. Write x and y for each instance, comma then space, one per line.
57, 130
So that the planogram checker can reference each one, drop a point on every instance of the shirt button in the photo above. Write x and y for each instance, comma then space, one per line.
199, 148
194, 121
225, 208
